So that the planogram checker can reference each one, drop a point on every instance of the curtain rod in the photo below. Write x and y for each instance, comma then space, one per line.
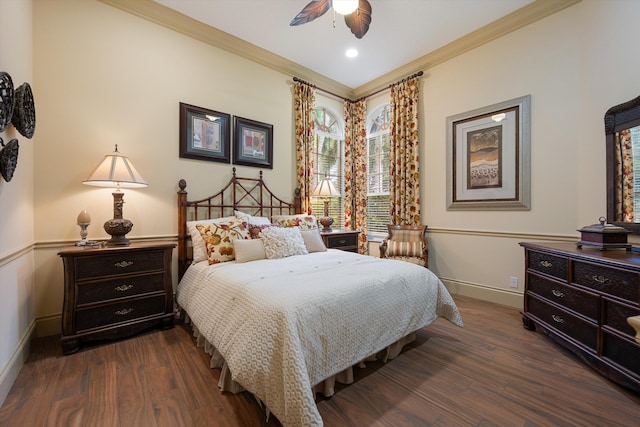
418, 74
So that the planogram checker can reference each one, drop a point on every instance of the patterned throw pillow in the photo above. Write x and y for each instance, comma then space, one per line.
218, 239
255, 230
303, 221
409, 249
283, 242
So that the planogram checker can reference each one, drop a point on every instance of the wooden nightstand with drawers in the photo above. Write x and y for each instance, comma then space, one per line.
346, 240
115, 292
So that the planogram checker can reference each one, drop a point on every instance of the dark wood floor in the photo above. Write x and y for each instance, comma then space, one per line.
493, 372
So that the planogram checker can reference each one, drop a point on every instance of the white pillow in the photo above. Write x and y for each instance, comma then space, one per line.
248, 250
253, 220
283, 242
199, 247
313, 241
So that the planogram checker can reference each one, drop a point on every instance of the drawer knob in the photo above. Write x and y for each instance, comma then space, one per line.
546, 264
557, 318
124, 311
600, 279
123, 288
123, 264
557, 293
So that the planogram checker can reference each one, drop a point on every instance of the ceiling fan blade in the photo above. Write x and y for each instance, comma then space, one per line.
358, 21
311, 11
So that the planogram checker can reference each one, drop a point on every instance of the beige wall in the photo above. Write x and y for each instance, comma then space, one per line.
17, 316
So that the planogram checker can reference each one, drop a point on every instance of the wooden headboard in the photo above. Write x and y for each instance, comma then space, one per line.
249, 195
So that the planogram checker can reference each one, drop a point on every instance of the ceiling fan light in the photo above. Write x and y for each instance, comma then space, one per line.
345, 7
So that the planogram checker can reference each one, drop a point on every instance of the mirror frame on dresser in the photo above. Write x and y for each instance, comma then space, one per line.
617, 118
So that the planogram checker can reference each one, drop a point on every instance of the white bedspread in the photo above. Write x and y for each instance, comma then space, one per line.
284, 325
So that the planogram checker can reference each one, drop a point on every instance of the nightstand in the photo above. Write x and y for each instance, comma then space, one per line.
114, 292
346, 240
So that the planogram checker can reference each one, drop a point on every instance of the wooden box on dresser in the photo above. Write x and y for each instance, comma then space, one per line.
115, 292
582, 298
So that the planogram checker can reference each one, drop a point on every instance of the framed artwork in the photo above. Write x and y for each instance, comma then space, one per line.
204, 134
253, 143
488, 157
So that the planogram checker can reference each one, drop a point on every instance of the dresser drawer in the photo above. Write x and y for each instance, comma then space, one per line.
565, 295
342, 240
581, 330
122, 262
103, 290
548, 264
625, 353
611, 281
616, 314
111, 314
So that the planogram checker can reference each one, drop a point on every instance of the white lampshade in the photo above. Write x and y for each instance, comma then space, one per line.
325, 188
116, 171
345, 7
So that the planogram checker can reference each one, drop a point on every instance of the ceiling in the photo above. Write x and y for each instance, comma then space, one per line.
400, 32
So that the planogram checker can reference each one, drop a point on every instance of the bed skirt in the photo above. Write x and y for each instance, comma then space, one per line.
325, 387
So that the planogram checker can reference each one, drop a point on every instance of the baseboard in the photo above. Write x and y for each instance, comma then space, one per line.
485, 293
49, 325
10, 372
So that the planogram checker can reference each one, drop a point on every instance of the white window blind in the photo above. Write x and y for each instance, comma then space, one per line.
378, 135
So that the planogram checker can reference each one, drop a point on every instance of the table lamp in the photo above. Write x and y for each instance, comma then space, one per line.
326, 189
116, 171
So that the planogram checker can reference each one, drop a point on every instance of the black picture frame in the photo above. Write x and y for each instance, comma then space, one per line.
253, 143
204, 134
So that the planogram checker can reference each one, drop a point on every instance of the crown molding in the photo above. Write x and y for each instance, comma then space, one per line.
169, 18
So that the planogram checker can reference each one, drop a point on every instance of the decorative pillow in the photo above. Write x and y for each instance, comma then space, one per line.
257, 220
283, 242
304, 221
398, 248
199, 248
249, 250
218, 239
255, 230
313, 241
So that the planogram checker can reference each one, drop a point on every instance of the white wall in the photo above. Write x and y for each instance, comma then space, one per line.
16, 204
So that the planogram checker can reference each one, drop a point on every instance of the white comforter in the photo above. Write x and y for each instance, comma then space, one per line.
285, 325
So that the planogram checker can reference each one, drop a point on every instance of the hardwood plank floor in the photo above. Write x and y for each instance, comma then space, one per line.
492, 372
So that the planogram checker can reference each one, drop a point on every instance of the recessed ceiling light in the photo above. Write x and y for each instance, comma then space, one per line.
351, 53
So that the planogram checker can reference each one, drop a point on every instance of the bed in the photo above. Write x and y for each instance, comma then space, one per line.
285, 327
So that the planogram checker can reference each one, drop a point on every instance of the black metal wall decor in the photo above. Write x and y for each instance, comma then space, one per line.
16, 107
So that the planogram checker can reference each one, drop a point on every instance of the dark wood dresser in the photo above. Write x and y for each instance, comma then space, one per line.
346, 240
581, 298
115, 292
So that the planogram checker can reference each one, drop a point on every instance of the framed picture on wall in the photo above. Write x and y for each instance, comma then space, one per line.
253, 143
204, 134
488, 157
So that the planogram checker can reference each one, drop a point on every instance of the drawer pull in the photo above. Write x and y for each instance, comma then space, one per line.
123, 264
600, 279
546, 264
342, 242
557, 318
557, 293
123, 288
124, 311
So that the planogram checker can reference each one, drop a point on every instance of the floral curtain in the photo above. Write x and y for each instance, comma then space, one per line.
624, 177
404, 182
304, 102
355, 170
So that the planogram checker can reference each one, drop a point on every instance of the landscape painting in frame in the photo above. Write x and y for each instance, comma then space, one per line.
488, 157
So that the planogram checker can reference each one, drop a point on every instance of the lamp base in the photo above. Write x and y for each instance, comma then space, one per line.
326, 222
118, 228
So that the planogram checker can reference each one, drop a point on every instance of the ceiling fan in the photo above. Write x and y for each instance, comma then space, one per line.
357, 20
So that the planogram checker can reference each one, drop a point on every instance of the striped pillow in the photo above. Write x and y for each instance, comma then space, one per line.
398, 248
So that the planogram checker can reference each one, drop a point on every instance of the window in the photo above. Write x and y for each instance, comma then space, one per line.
328, 160
378, 135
